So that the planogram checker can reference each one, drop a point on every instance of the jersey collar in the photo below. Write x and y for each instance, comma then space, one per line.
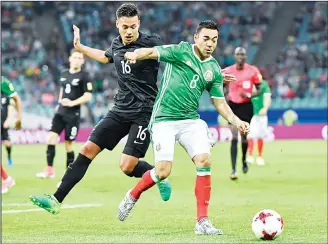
202, 61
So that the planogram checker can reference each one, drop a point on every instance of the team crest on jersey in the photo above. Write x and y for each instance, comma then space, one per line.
208, 76
75, 82
158, 147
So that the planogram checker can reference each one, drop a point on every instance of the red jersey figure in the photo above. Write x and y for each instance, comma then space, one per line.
239, 99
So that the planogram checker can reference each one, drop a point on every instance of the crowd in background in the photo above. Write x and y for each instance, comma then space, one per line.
34, 66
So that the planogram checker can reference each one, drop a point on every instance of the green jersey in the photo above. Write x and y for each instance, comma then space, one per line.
7, 91
258, 101
184, 80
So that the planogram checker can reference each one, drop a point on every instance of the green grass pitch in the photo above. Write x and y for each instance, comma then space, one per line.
293, 182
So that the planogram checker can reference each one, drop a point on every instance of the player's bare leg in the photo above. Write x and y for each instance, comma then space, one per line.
70, 153
234, 151
7, 181
161, 171
73, 175
260, 159
203, 194
134, 167
8, 147
48, 171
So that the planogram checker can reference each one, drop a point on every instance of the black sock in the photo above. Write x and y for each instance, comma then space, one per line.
73, 175
141, 168
244, 146
9, 151
233, 153
51, 154
70, 158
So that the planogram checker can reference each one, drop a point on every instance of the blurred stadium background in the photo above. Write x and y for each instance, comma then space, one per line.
286, 40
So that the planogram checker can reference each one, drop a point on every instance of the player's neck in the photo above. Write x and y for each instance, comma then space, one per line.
73, 71
198, 54
240, 66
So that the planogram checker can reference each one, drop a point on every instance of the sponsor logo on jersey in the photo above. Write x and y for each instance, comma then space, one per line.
208, 76
75, 82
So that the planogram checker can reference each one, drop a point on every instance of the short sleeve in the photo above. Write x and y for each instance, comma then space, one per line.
216, 88
266, 87
7, 87
109, 53
257, 77
169, 53
87, 84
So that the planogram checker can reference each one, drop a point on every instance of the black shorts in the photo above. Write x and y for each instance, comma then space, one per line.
71, 125
4, 134
243, 111
114, 126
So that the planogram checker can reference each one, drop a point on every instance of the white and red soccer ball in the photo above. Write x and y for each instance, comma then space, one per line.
267, 225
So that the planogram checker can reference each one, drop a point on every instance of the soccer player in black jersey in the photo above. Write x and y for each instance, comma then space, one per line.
130, 114
75, 90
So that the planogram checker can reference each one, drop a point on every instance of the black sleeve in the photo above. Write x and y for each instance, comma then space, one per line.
157, 41
87, 84
109, 53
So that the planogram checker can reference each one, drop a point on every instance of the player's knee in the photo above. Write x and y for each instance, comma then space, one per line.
52, 138
7, 143
90, 150
127, 166
203, 160
163, 169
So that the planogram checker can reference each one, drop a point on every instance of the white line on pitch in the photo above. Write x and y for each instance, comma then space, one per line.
40, 209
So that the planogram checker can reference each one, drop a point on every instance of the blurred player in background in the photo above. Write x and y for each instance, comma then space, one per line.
259, 123
75, 90
239, 99
130, 114
8, 92
190, 70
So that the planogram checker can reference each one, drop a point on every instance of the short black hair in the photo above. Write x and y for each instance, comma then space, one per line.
127, 10
207, 24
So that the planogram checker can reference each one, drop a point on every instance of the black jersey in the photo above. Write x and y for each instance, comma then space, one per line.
137, 82
74, 85
5, 100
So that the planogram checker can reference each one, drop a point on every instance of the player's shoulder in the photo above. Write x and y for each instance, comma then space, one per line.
4, 80
151, 40
116, 41
230, 68
64, 72
253, 67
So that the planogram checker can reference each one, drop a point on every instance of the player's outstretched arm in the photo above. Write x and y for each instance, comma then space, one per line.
266, 104
18, 102
86, 97
93, 53
141, 54
223, 108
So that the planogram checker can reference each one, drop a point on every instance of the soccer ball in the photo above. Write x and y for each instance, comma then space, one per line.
267, 224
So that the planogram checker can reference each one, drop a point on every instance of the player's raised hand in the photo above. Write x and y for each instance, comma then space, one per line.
18, 124
243, 127
76, 41
131, 57
228, 78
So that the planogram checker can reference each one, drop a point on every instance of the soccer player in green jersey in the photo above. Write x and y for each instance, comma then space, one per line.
7, 93
259, 122
190, 70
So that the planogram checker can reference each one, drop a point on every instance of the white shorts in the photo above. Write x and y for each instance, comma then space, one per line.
258, 127
193, 136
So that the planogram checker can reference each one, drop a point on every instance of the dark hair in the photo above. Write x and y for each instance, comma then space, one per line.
207, 24
127, 10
